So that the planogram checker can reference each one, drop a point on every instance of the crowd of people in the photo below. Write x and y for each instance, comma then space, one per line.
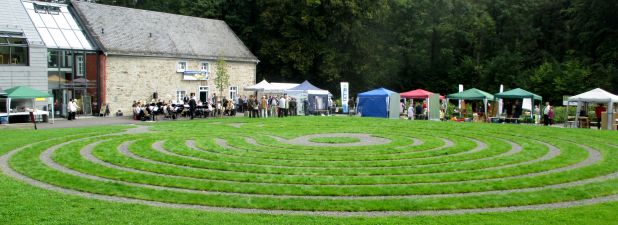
268, 106
191, 107
283, 105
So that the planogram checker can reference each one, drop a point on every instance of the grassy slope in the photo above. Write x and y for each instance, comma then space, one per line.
22, 204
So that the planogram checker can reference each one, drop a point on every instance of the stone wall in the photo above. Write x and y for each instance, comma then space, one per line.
134, 78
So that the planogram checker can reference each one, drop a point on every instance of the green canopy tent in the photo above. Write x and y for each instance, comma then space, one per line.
472, 94
519, 93
24, 92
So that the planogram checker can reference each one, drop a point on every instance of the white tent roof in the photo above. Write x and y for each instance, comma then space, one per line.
280, 87
595, 95
318, 92
283, 86
259, 86
273, 87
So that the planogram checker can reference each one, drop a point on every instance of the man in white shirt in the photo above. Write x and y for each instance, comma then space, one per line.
282, 106
72, 107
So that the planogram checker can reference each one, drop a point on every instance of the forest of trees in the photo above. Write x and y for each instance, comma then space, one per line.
550, 47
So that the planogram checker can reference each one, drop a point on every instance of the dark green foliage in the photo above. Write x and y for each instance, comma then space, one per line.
554, 47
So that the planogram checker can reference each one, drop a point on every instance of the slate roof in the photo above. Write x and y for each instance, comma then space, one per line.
127, 31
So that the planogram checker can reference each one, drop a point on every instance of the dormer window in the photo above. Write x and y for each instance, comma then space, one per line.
46, 9
181, 66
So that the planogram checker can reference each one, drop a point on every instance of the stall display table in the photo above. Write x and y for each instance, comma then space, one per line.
24, 117
584, 122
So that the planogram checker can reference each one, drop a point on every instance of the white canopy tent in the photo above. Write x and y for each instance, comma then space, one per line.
597, 95
266, 88
259, 86
279, 88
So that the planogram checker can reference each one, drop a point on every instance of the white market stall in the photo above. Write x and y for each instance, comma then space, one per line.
24, 93
597, 95
310, 98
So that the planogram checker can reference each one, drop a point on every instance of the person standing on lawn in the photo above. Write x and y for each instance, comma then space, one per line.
264, 107
192, 105
546, 114
72, 107
599, 112
282, 106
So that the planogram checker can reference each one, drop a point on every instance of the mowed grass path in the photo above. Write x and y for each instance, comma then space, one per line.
244, 163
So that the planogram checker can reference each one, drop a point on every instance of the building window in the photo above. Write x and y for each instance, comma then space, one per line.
80, 66
67, 59
203, 91
181, 66
52, 59
233, 92
46, 9
180, 95
204, 67
13, 51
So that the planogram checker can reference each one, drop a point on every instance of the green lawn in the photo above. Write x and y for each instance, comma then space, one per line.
248, 167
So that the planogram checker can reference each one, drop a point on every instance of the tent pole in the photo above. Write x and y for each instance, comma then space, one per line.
485, 110
8, 110
576, 122
566, 113
610, 116
52, 110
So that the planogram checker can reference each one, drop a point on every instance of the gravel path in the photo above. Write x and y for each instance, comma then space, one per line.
139, 129
365, 140
593, 157
447, 144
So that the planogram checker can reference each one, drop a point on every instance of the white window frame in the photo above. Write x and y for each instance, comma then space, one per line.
180, 94
205, 68
233, 89
179, 66
80, 65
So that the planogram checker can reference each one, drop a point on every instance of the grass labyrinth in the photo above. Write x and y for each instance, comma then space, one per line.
334, 140
334, 166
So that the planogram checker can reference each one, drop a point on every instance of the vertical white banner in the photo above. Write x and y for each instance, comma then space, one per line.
527, 104
345, 95
461, 89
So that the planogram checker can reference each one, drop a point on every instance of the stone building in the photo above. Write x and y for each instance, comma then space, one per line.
146, 52
100, 54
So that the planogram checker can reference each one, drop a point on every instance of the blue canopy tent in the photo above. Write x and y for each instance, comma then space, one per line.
380, 102
316, 98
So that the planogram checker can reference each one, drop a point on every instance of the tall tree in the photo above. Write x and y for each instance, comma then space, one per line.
548, 46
